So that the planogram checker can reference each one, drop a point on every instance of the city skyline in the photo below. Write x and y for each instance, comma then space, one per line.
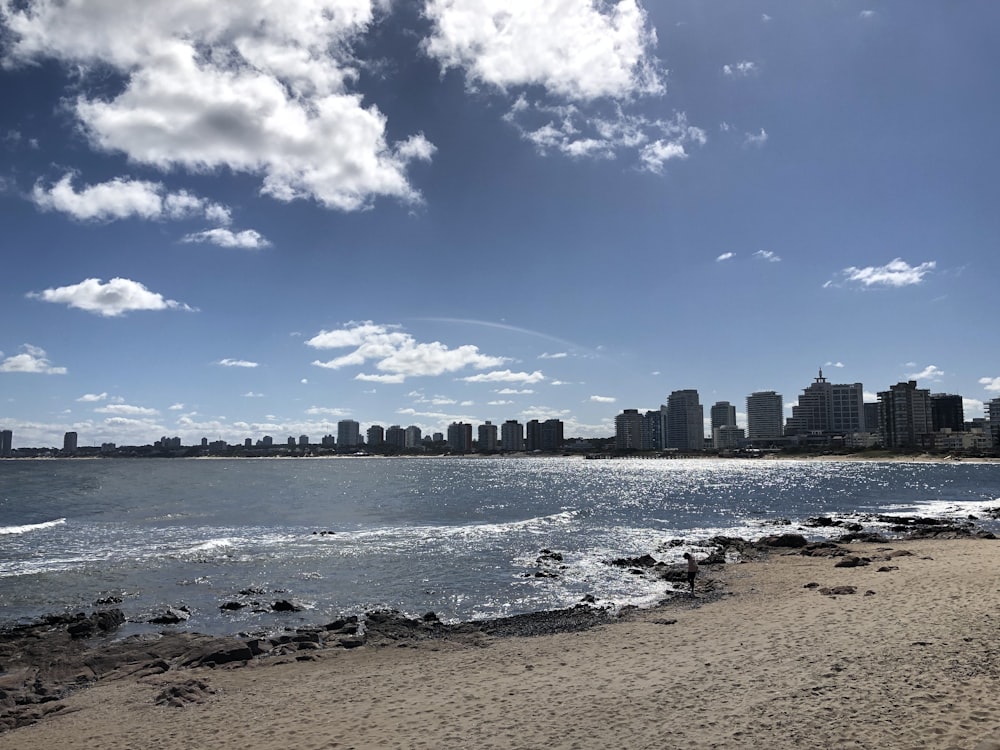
260, 221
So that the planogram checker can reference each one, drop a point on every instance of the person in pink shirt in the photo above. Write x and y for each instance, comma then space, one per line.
692, 570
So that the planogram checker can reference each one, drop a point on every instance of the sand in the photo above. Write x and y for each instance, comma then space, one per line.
772, 664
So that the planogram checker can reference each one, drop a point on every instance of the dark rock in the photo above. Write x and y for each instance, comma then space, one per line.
887, 569
644, 561
184, 694
851, 562
811, 585
231, 606
171, 616
784, 540
820, 522
838, 590
864, 536
283, 605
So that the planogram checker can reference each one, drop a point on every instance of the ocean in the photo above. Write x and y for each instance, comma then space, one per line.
466, 538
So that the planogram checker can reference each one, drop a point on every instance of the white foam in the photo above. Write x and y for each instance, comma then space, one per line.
31, 527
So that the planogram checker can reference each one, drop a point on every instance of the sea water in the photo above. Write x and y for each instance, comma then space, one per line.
465, 538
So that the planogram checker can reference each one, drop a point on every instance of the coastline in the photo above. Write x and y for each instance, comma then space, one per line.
759, 659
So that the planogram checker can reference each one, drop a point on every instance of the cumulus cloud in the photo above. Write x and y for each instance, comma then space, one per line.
92, 397
990, 384
931, 372
229, 362
123, 198
249, 239
111, 299
32, 360
896, 273
603, 399
576, 49
506, 376
396, 354
725, 256
254, 87
767, 255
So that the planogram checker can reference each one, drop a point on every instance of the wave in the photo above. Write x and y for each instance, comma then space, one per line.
31, 527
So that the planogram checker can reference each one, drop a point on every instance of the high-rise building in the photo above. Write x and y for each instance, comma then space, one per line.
303, 441
412, 437
871, 416
629, 428
6, 443
395, 437
904, 415
655, 429
765, 416
487, 437
348, 433
828, 408
460, 437
993, 420
685, 421
552, 435
512, 435
723, 414
375, 436
69, 442
947, 412
727, 436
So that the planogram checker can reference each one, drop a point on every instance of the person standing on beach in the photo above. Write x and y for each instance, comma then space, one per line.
692, 570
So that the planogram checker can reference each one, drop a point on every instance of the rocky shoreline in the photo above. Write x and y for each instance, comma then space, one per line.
44, 662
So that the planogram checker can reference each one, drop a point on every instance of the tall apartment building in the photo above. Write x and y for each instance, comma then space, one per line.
947, 412
828, 408
685, 421
871, 416
629, 428
348, 433
512, 435
6, 443
395, 437
487, 437
723, 414
69, 442
993, 420
765, 416
460, 437
375, 436
656, 428
412, 437
544, 436
904, 415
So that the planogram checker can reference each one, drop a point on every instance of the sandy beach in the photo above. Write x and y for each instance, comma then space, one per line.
910, 660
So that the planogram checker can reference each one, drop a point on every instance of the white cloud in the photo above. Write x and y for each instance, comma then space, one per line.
755, 140
176, 407
397, 355
92, 397
127, 410
112, 299
973, 407
32, 360
499, 402
931, 372
555, 355
834, 364
725, 256
515, 392
767, 255
506, 376
603, 399
765, 18
251, 394
866, 14
576, 49
229, 362
742, 69
256, 87
896, 273
990, 384
123, 198
249, 239
326, 411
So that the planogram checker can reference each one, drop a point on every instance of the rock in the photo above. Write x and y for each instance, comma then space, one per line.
838, 590
821, 522
887, 568
784, 540
231, 606
811, 585
284, 605
99, 623
644, 561
171, 616
184, 694
851, 562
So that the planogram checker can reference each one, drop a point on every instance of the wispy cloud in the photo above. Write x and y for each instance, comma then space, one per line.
897, 273
603, 399
767, 255
248, 239
755, 140
725, 256
506, 376
555, 355
127, 410
229, 362
742, 69
111, 299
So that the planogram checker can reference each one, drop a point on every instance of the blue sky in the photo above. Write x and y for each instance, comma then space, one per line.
227, 220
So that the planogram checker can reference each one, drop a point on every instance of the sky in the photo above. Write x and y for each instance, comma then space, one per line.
231, 220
